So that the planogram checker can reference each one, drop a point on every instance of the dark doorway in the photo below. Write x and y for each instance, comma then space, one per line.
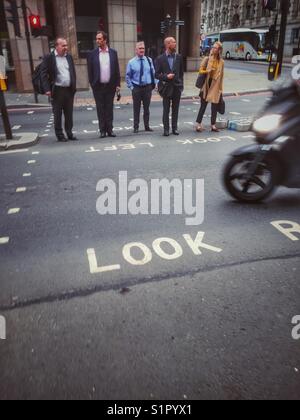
91, 17
149, 15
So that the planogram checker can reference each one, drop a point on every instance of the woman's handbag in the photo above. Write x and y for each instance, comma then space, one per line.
221, 106
201, 81
201, 78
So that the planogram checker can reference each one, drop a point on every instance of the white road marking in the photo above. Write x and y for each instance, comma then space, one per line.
21, 189
4, 241
157, 246
287, 228
47, 131
127, 254
235, 113
44, 135
249, 137
16, 127
12, 152
246, 100
196, 244
143, 254
30, 112
31, 162
89, 132
13, 211
94, 268
117, 147
27, 175
35, 153
90, 109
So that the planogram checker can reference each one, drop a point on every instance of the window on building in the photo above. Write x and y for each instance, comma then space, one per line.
250, 10
295, 36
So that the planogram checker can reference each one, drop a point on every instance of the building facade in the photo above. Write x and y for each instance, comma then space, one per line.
126, 22
220, 15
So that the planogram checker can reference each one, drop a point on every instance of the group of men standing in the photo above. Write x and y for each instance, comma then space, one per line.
58, 77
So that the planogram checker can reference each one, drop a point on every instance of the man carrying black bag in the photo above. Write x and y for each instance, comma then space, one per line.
169, 72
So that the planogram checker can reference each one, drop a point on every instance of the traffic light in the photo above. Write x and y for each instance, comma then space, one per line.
35, 25
13, 16
270, 5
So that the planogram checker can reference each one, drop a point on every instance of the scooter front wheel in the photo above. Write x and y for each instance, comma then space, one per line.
240, 187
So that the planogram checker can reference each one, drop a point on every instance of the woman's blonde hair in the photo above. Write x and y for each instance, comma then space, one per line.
220, 45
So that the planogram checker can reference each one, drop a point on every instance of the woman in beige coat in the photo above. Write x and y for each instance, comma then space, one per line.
213, 67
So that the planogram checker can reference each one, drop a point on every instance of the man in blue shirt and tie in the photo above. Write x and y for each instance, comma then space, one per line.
140, 78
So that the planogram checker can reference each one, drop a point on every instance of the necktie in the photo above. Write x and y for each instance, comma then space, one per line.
142, 71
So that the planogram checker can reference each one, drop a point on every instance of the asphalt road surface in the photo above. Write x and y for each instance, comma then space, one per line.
143, 307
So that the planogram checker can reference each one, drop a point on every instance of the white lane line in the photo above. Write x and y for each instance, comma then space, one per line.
21, 189
235, 113
31, 162
44, 135
47, 131
13, 211
30, 112
12, 152
26, 175
4, 240
246, 100
16, 127
35, 153
90, 109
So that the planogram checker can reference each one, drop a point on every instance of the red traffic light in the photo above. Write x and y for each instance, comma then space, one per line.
35, 21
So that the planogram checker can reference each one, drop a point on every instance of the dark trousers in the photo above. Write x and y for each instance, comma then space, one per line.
104, 97
142, 95
63, 103
214, 112
173, 101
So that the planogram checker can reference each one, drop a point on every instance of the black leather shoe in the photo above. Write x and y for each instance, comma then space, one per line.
111, 134
166, 133
72, 138
176, 132
148, 129
62, 139
102, 135
136, 130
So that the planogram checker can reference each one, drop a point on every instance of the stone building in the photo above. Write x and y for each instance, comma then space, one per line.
228, 14
126, 21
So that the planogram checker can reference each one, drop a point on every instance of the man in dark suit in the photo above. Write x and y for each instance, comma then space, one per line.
169, 72
59, 82
105, 80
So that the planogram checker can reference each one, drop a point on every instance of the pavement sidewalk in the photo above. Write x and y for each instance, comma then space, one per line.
236, 82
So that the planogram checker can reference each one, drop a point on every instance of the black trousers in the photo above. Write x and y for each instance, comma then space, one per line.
63, 103
104, 96
173, 101
214, 112
142, 95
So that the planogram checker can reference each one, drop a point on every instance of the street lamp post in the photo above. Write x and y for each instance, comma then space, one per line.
285, 5
27, 35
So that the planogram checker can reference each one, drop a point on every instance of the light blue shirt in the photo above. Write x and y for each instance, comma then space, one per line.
134, 70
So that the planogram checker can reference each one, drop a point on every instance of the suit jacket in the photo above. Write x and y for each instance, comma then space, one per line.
49, 72
163, 69
94, 69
